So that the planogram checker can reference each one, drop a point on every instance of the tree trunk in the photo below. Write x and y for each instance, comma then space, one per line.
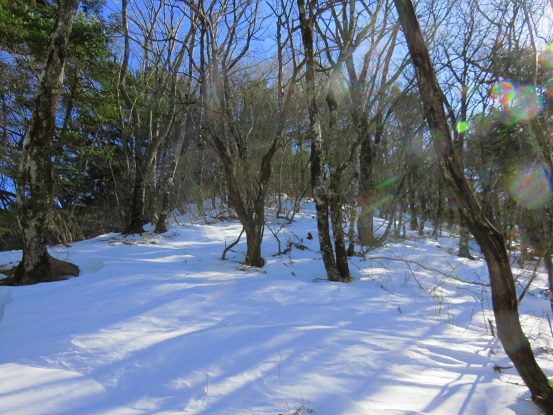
337, 217
35, 187
162, 220
548, 261
163, 216
135, 224
438, 213
335, 199
317, 164
352, 208
325, 243
254, 237
413, 221
464, 239
365, 226
423, 206
491, 241
252, 221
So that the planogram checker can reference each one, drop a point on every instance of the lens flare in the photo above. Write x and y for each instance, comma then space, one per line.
527, 104
504, 92
548, 88
380, 198
520, 103
531, 188
338, 86
462, 126
546, 57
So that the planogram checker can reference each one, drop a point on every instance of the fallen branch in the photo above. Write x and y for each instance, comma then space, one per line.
374, 258
228, 248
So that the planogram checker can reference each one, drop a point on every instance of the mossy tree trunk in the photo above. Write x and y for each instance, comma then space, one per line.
491, 241
35, 185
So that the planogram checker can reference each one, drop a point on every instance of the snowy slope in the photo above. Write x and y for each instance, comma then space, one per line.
161, 325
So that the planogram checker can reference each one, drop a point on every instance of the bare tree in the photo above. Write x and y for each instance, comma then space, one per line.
491, 240
369, 74
307, 15
150, 105
230, 120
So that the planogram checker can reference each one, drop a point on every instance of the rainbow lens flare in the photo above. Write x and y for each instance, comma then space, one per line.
546, 56
520, 103
531, 188
504, 92
527, 104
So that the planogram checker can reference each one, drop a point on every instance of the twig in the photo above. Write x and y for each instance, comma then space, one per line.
532, 278
380, 241
371, 278
428, 269
491, 327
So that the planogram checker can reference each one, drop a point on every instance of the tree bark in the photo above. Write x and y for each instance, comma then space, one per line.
317, 167
35, 187
335, 190
464, 239
161, 224
491, 241
253, 222
365, 227
369, 144
548, 261
135, 223
337, 219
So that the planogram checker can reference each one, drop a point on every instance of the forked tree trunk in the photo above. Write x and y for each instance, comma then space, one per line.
491, 241
35, 186
253, 222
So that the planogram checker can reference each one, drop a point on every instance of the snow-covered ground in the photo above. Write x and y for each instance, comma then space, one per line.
161, 325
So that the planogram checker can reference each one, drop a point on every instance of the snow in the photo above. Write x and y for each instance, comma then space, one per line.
5, 299
159, 324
